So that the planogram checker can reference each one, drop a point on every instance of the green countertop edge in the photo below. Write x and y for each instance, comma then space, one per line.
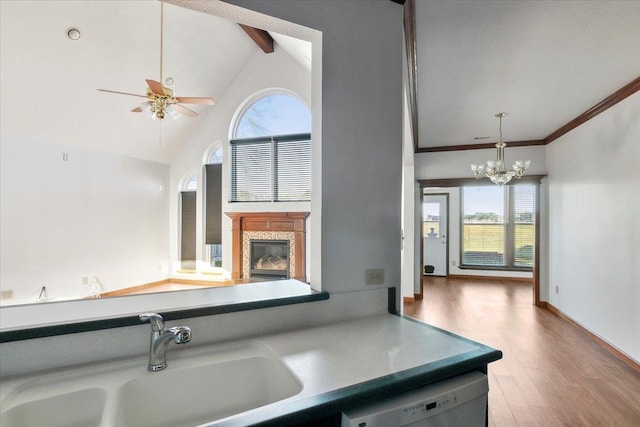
330, 403
118, 322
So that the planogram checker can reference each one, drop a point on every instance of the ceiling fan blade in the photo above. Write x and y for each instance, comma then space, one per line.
137, 110
195, 100
122, 93
155, 87
184, 110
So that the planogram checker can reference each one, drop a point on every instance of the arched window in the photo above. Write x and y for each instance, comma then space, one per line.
216, 157
271, 151
191, 184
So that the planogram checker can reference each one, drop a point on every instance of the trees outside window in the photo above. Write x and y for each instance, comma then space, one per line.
271, 151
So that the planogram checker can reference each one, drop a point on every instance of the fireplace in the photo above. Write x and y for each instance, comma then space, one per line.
269, 258
268, 227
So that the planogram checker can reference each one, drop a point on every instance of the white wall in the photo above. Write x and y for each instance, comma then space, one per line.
594, 225
263, 71
96, 214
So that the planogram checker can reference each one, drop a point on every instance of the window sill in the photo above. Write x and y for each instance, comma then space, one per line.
495, 268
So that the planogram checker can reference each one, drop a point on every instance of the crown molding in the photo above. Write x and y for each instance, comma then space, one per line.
619, 95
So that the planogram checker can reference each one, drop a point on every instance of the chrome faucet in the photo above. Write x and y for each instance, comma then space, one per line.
160, 339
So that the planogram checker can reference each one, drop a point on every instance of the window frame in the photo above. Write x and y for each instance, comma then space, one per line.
249, 102
509, 230
273, 140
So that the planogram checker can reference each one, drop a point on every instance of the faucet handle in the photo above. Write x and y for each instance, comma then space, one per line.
157, 323
182, 334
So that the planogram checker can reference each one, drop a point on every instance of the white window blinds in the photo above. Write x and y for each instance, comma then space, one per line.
498, 226
523, 224
271, 168
251, 165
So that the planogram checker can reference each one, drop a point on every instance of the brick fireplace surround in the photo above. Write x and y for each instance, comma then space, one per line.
289, 226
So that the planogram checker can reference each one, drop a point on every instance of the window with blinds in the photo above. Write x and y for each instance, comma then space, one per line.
523, 208
498, 228
267, 169
213, 203
271, 152
188, 230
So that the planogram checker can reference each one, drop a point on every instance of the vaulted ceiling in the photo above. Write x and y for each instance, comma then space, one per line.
543, 62
49, 82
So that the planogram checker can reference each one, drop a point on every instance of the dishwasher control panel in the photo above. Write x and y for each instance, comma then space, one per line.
441, 403
428, 405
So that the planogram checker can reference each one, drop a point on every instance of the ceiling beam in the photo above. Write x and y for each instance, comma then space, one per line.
262, 38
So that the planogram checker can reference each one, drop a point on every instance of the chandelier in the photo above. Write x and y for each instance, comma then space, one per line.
495, 170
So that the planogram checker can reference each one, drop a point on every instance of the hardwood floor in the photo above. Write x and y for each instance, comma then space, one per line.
551, 373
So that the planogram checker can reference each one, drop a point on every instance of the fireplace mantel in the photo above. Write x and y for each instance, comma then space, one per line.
291, 222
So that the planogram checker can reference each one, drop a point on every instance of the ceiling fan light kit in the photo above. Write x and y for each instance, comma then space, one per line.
160, 99
494, 169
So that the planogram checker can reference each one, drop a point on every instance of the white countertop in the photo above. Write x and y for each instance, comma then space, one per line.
16, 317
347, 354
335, 356
334, 361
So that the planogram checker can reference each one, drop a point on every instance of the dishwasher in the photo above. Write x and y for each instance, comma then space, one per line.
458, 401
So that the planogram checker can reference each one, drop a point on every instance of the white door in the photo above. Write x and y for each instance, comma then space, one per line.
434, 234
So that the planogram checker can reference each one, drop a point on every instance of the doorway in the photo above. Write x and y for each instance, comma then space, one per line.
445, 184
435, 232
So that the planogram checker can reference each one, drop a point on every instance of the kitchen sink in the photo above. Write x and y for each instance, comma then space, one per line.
192, 396
82, 408
201, 385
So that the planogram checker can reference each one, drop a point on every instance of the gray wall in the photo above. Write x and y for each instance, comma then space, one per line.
361, 133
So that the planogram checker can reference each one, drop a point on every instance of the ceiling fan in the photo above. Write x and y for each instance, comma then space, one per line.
160, 99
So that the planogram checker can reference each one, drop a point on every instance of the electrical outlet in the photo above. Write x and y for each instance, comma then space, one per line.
374, 276
85, 280
454, 262
8, 294
557, 289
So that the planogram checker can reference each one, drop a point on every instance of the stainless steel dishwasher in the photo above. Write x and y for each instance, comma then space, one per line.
458, 401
